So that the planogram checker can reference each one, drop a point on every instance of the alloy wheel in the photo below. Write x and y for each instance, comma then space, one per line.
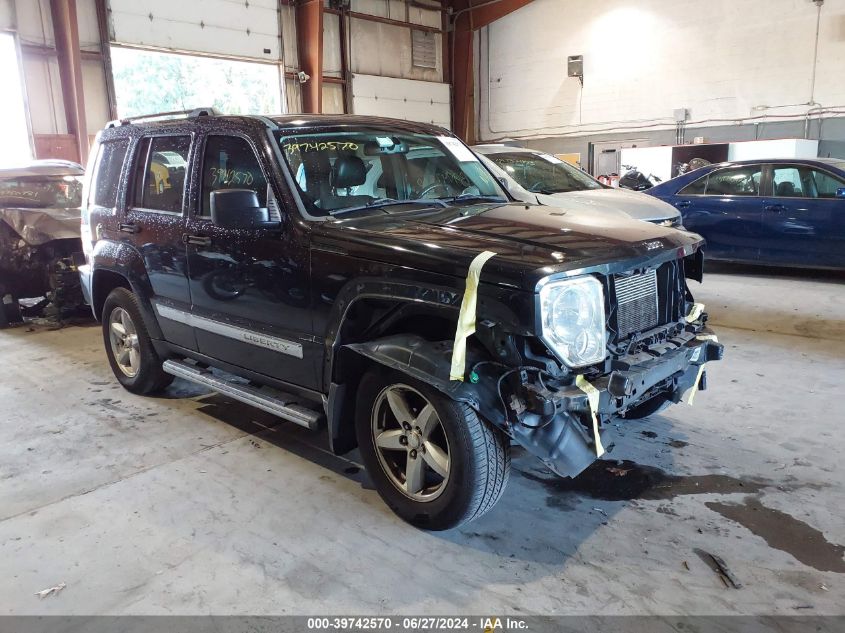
410, 442
124, 342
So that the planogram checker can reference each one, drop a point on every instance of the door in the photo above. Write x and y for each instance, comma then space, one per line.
725, 207
804, 220
154, 224
249, 288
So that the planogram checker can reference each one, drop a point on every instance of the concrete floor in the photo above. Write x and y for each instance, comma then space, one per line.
192, 504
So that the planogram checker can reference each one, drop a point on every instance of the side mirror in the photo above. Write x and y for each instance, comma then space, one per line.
238, 209
840, 193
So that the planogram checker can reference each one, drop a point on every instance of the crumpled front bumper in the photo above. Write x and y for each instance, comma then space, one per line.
566, 443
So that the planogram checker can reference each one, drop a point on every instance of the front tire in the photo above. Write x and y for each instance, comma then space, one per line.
435, 463
129, 348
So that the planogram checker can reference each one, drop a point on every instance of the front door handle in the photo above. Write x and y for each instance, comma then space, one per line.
130, 228
775, 208
683, 204
197, 240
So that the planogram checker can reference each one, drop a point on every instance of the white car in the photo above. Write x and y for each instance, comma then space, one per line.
533, 176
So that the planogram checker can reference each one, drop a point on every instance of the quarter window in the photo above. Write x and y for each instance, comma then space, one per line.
160, 183
107, 172
230, 163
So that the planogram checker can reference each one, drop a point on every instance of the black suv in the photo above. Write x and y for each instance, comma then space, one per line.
370, 275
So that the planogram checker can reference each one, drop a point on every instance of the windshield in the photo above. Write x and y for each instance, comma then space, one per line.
336, 171
543, 173
41, 192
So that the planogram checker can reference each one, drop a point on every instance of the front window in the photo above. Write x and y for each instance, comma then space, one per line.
41, 192
349, 170
542, 173
803, 182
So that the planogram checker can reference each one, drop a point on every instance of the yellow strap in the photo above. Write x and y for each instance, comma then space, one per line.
466, 318
695, 312
689, 394
593, 398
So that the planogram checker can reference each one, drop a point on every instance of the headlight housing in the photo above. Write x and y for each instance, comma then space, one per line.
572, 320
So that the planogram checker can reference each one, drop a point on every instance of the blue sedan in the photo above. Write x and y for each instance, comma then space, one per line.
788, 212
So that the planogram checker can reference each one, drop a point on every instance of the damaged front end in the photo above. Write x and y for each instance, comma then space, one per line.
40, 244
654, 344
649, 349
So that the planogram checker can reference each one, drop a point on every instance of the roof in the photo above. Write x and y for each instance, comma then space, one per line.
209, 116
837, 162
50, 167
495, 148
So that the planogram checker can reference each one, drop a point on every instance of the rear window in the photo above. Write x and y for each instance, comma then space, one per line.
160, 173
107, 172
41, 192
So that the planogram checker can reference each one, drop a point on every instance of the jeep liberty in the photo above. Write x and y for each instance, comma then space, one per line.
370, 277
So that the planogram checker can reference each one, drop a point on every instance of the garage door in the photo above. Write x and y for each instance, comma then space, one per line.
221, 27
424, 101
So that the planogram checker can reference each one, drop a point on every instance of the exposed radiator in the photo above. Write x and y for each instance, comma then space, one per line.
636, 301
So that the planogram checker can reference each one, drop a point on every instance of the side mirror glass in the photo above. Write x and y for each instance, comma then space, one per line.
840, 192
238, 209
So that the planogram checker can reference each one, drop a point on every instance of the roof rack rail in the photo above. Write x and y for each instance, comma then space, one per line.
188, 114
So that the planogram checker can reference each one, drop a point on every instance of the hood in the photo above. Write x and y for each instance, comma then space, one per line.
637, 205
39, 226
530, 241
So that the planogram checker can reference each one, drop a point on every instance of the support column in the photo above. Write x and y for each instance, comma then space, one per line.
466, 19
309, 30
66, 32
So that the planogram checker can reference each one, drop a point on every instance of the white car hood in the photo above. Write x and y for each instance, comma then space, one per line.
637, 205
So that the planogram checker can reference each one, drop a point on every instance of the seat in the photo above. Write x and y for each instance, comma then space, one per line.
785, 190
347, 172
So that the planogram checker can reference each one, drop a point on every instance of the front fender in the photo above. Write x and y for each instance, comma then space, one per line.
494, 307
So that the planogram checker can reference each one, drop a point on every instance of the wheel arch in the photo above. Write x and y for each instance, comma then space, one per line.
120, 265
371, 323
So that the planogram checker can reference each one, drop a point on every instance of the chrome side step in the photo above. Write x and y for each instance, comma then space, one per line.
280, 404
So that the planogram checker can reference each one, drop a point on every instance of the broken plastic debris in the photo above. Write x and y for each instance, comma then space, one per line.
619, 472
718, 564
601, 511
52, 590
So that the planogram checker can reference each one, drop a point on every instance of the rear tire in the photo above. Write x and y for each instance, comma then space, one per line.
129, 348
443, 467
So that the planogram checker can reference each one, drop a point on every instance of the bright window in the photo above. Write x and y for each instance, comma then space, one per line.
147, 82
15, 148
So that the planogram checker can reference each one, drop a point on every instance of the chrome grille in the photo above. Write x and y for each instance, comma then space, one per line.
636, 303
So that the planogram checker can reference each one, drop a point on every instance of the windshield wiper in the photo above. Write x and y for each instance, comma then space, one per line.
388, 202
473, 196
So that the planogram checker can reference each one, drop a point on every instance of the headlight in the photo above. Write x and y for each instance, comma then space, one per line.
572, 320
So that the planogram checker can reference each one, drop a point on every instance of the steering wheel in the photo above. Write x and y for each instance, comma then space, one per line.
537, 186
433, 187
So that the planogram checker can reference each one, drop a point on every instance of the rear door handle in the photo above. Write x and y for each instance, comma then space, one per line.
683, 204
130, 228
197, 240
775, 208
